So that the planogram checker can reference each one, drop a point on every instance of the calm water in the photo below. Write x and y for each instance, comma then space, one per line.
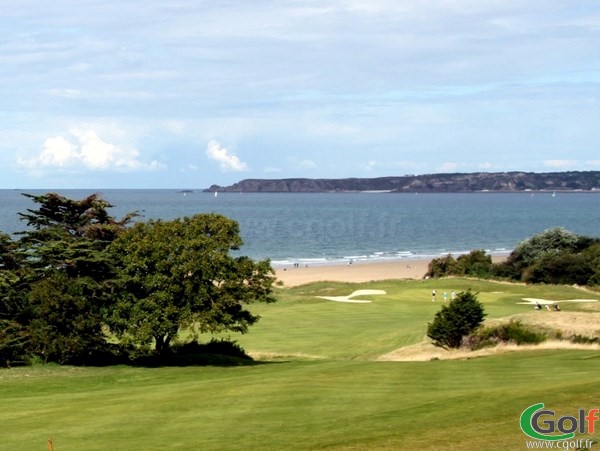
319, 228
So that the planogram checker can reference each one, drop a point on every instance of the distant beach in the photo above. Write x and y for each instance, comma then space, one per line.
356, 272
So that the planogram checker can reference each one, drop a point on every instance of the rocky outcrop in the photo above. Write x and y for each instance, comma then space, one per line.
428, 183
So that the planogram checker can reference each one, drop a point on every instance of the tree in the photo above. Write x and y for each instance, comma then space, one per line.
553, 256
13, 336
550, 242
66, 318
62, 282
565, 268
458, 319
71, 234
592, 256
179, 274
441, 267
476, 263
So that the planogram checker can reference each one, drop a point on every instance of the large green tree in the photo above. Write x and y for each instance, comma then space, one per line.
549, 243
179, 274
14, 337
456, 320
61, 280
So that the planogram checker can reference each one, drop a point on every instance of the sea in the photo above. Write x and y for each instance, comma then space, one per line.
336, 228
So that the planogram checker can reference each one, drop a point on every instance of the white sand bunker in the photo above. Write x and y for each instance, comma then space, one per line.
350, 297
533, 301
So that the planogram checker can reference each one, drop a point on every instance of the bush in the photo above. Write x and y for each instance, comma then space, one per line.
440, 267
512, 332
214, 346
476, 263
582, 339
458, 319
553, 256
566, 268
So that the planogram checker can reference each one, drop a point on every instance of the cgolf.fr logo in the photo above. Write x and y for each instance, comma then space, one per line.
542, 424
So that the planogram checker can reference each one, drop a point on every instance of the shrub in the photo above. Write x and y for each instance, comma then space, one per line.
440, 267
585, 340
512, 332
458, 319
567, 268
214, 346
476, 263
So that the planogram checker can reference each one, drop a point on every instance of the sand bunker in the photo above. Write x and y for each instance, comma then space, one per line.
533, 301
350, 297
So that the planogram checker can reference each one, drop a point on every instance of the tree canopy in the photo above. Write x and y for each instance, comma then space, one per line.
179, 274
77, 275
553, 256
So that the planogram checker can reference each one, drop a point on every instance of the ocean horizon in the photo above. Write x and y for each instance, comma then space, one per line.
334, 228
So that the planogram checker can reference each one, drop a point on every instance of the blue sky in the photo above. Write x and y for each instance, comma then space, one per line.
184, 94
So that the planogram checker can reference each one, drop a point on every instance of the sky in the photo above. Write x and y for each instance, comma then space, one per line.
190, 93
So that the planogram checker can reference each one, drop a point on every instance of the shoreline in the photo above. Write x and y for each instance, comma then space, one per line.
357, 272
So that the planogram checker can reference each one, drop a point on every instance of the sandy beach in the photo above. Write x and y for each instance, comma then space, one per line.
356, 272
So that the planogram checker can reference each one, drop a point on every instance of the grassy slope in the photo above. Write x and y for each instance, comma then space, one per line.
341, 401
302, 323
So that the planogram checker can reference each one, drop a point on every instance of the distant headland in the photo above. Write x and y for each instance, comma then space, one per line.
571, 181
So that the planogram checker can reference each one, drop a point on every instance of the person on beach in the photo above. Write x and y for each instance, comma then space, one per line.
433, 296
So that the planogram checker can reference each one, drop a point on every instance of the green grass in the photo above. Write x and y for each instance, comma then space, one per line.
301, 323
342, 400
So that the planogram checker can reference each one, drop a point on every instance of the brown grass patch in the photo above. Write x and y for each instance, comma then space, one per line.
426, 351
569, 323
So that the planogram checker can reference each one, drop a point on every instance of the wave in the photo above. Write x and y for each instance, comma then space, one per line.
379, 256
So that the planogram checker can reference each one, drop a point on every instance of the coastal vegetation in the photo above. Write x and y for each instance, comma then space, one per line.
555, 256
80, 286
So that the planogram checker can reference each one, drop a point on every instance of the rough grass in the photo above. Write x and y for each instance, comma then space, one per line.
426, 351
322, 384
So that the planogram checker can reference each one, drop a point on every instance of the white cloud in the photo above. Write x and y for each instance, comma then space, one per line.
404, 165
227, 161
448, 167
307, 164
57, 152
560, 164
592, 164
85, 149
93, 151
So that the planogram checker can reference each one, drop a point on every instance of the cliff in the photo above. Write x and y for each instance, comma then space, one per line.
429, 183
